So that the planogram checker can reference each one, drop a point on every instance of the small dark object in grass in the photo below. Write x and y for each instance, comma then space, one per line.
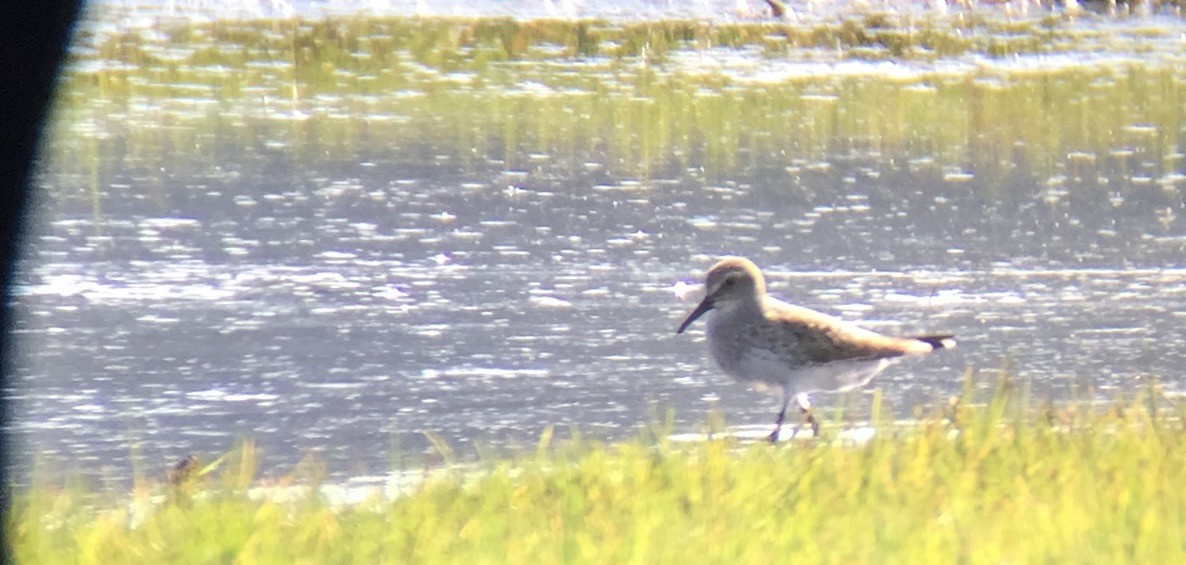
184, 470
778, 9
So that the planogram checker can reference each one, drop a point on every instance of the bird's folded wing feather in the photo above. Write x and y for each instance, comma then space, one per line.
822, 338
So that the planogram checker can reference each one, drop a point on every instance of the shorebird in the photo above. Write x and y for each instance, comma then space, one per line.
758, 339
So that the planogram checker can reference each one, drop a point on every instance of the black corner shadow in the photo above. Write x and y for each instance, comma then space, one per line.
33, 39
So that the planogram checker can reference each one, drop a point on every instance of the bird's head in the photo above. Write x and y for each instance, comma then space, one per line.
730, 283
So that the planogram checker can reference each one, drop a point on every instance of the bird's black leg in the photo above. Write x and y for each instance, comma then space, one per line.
786, 400
805, 408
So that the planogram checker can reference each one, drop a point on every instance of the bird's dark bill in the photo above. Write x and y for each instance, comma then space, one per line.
705, 306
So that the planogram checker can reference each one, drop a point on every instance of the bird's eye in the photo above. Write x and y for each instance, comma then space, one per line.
728, 283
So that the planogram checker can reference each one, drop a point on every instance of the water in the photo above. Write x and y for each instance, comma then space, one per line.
325, 291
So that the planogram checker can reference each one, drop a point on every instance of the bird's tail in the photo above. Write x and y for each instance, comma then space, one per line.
938, 341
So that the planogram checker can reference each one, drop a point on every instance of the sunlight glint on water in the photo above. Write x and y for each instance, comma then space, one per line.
335, 250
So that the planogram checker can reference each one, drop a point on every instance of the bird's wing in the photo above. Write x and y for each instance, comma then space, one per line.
822, 338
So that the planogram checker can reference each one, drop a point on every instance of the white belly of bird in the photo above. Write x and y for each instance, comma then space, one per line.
759, 365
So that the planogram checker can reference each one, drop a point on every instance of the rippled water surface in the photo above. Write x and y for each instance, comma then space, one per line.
341, 274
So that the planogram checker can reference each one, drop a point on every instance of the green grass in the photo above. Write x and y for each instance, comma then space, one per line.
988, 483
642, 99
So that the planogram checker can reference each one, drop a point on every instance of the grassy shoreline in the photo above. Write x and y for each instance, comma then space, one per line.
991, 482
981, 95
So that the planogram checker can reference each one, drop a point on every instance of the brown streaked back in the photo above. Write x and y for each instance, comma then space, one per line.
823, 339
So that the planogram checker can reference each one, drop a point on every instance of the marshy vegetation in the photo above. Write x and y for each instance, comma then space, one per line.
969, 96
1002, 480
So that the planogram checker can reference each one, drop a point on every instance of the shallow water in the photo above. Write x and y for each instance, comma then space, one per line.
342, 290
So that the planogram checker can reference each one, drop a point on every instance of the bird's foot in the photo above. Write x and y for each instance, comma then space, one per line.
812, 422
